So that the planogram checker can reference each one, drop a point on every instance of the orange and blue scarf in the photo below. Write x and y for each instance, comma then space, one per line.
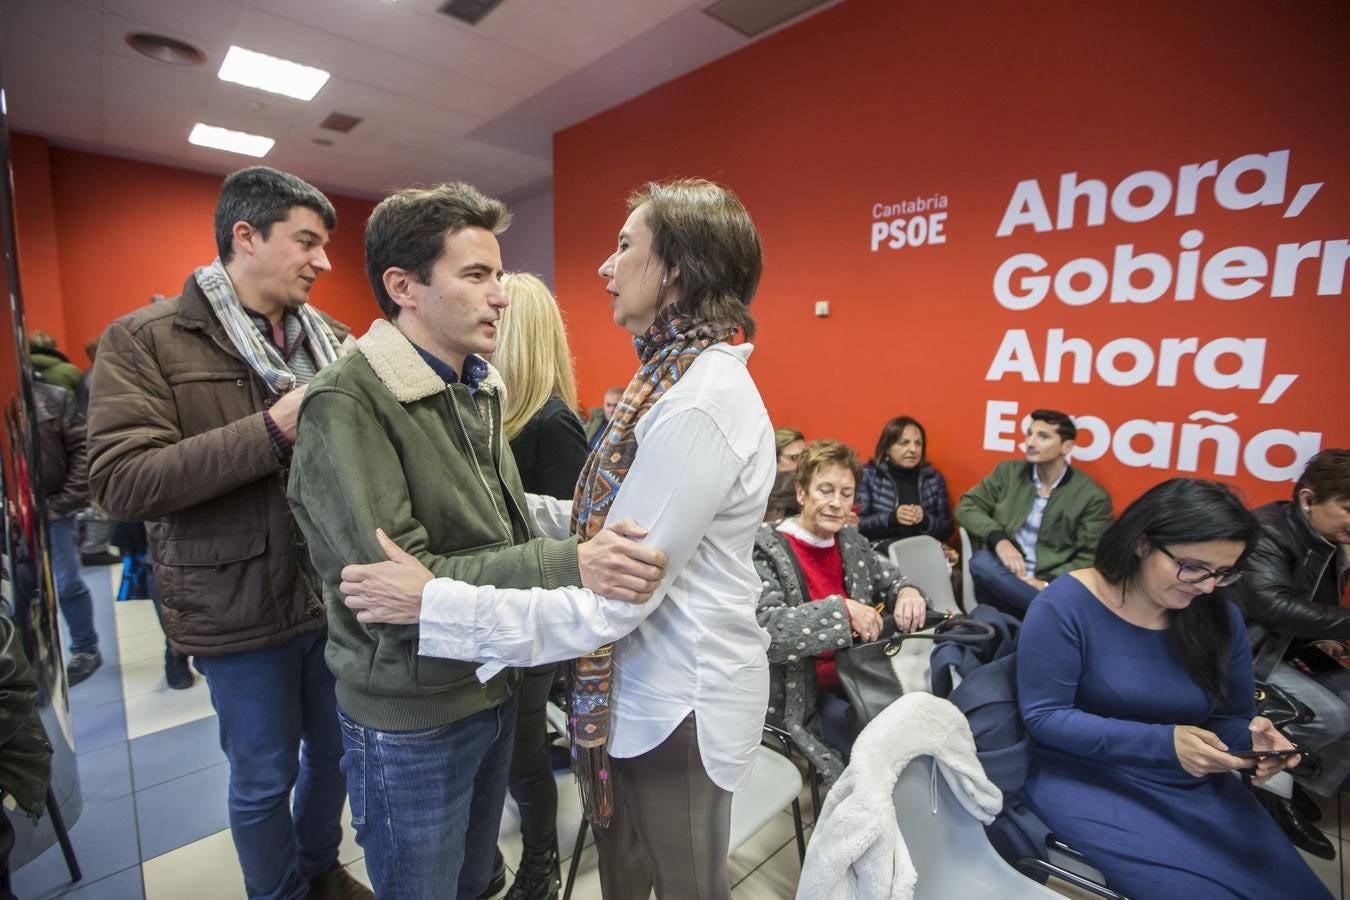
665, 351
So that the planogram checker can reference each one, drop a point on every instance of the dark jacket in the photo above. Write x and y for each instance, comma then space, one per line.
55, 369
177, 440
879, 498
385, 443
1292, 587
550, 451
1076, 515
25, 752
65, 460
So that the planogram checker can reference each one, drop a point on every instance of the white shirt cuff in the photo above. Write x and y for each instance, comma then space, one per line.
447, 626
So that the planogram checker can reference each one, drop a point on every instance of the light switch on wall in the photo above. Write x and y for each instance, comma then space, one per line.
822, 307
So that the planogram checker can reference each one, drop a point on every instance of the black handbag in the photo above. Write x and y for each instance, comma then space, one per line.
865, 671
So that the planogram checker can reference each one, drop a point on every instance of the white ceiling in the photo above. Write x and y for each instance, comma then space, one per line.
439, 99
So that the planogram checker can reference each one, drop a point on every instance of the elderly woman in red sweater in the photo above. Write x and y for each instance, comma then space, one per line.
824, 589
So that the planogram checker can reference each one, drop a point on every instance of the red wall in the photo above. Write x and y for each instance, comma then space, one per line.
122, 231
881, 101
35, 223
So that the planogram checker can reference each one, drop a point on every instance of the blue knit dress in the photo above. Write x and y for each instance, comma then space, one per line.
1100, 698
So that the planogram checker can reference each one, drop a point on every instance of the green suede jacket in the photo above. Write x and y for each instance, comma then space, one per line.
384, 442
1078, 511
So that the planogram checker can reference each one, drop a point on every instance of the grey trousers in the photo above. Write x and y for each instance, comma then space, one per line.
671, 825
1328, 696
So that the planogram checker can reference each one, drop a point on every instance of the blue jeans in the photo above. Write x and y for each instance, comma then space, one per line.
998, 587
427, 805
72, 593
279, 730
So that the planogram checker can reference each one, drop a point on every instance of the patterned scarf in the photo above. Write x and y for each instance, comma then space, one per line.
666, 351
261, 355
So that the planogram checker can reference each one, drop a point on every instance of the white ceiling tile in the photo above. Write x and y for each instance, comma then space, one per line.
436, 96
68, 22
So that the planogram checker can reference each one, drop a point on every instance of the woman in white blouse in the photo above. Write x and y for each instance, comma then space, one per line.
690, 456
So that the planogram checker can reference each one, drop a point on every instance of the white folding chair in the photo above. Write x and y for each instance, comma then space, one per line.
967, 582
922, 559
948, 845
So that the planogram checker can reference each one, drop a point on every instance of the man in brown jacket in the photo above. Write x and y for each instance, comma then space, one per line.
191, 419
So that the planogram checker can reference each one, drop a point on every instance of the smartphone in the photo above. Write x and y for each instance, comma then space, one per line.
1264, 754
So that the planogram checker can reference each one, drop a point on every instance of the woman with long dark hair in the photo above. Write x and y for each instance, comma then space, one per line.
1135, 683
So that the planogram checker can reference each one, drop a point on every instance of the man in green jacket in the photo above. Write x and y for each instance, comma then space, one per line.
405, 436
1034, 520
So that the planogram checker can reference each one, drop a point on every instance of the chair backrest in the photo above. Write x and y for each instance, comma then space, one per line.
947, 844
967, 582
775, 783
922, 559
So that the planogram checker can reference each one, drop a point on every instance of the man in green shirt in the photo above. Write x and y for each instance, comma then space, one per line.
1033, 520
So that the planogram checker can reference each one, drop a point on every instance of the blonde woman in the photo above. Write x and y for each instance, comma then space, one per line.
549, 445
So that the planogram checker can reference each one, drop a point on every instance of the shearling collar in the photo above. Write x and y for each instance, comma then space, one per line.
405, 374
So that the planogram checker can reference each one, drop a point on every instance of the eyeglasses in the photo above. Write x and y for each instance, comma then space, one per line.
1191, 574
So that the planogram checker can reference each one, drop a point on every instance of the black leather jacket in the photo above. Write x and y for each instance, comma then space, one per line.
1293, 586
65, 458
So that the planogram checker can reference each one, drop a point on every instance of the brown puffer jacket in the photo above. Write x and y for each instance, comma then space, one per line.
177, 440
65, 466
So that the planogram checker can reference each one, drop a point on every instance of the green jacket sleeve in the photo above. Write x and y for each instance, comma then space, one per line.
975, 511
1093, 524
346, 481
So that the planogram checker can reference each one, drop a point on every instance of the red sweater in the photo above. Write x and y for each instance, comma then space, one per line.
824, 570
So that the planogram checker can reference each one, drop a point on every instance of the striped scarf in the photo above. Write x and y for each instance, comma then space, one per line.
262, 356
666, 351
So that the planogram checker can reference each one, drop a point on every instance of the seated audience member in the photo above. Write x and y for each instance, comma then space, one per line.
1135, 682
783, 497
812, 567
597, 424
1033, 520
1295, 593
902, 494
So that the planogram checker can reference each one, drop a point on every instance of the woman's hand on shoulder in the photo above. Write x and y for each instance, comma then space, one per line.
1202, 753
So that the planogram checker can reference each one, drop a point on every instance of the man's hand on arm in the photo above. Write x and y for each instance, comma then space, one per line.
286, 411
615, 565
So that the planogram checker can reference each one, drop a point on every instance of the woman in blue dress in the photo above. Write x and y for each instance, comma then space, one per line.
1135, 680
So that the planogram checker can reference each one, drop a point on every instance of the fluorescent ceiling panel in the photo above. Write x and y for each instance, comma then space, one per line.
232, 141
271, 74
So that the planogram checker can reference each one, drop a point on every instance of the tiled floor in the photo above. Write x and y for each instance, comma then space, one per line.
154, 781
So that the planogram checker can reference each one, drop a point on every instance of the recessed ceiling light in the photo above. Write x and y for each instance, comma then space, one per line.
272, 74
165, 49
232, 141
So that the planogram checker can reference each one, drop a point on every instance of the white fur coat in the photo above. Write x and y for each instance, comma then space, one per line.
857, 851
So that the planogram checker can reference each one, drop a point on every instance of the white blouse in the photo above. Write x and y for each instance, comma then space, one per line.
700, 483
